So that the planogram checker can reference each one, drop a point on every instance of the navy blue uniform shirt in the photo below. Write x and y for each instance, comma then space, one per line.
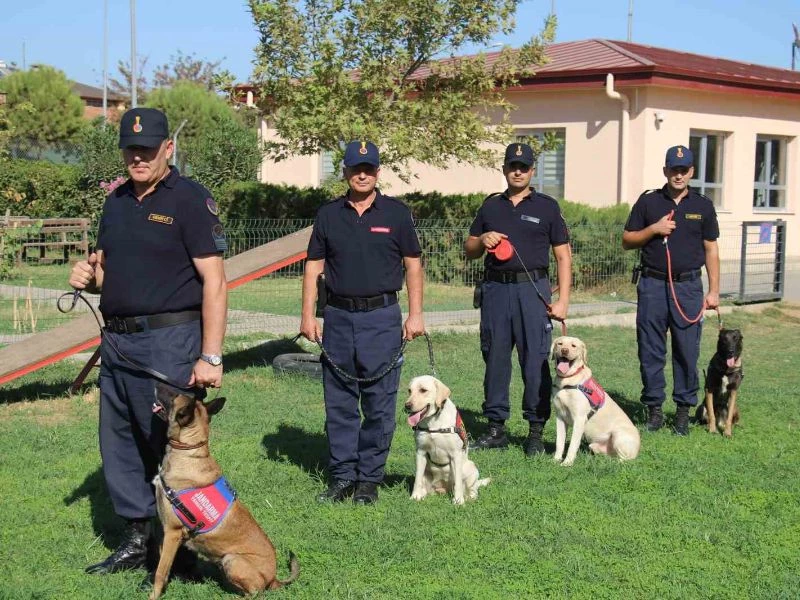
363, 255
149, 247
695, 221
532, 226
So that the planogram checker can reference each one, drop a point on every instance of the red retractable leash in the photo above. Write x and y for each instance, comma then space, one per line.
672, 287
505, 250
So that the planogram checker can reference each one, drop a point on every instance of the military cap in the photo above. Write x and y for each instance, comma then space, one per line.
519, 153
679, 156
145, 127
358, 153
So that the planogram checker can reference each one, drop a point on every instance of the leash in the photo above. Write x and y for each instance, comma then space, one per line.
78, 295
392, 363
538, 293
690, 321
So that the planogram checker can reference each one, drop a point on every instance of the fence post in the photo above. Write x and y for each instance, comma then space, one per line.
780, 257
743, 262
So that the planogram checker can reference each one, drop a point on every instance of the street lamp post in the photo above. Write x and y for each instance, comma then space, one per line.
134, 75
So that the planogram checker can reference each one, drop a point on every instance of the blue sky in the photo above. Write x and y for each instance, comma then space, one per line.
69, 35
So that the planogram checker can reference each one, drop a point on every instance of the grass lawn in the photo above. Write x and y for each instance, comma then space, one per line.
696, 517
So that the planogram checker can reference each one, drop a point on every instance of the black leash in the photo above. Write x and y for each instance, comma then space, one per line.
392, 363
78, 295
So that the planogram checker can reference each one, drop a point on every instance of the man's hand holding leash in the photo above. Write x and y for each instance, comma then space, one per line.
310, 329
206, 375
82, 276
490, 239
413, 327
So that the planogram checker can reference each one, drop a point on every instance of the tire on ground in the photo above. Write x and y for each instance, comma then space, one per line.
304, 363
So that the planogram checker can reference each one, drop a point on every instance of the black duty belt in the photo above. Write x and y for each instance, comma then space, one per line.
685, 276
353, 304
145, 323
515, 276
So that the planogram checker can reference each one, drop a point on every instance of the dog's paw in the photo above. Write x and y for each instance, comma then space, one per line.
568, 462
458, 501
557, 459
418, 496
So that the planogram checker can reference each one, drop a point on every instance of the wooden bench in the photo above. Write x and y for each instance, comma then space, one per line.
65, 235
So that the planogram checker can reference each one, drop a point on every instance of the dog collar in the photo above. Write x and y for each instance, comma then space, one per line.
458, 429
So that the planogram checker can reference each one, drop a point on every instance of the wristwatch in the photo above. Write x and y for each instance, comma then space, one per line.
214, 360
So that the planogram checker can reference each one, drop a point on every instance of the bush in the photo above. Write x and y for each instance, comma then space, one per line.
252, 200
41, 189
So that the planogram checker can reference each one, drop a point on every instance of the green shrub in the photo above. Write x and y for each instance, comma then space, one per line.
252, 200
42, 189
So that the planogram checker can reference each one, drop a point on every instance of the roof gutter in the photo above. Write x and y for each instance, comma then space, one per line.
624, 120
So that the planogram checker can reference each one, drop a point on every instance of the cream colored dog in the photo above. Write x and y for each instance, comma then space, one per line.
581, 402
442, 463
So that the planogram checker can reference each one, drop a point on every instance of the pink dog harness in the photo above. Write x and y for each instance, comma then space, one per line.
201, 509
595, 394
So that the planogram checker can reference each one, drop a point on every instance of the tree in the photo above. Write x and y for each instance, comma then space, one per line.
41, 105
121, 85
185, 67
328, 71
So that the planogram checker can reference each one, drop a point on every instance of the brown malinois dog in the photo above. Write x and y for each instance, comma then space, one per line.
198, 507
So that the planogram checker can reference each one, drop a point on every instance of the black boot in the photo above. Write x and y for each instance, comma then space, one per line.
337, 491
655, 418
131, 552
495, 437
366, 493
533, 443
681, 426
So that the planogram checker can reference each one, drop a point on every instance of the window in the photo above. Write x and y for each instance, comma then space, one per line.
769, 187
326, 166
549, 176
708, 149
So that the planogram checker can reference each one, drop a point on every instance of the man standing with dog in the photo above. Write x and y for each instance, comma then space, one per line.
676, 229
361, 242
158, 267
516, 297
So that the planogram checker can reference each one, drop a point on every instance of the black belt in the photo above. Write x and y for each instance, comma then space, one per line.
137, 324
685, 276
353, 304
515, 276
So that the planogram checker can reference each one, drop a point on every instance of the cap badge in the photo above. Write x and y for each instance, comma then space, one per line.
679, 153
137, 127
363, 149
519, 151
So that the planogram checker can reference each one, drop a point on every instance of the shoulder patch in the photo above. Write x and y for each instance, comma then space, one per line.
212, 206
220, 241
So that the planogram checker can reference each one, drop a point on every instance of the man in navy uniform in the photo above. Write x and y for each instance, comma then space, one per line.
158, 268
514, 311
689, 220
361, 241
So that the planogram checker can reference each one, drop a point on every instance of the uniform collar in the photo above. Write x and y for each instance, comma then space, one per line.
377, 203
531, 194
665, 193
172, 177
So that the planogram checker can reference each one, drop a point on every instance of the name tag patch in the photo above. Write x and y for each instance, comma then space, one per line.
380, 229
694, 217
530, 219
160, 219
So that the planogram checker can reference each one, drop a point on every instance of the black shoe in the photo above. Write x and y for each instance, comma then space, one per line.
130, 554
533, 443
655, 418
366, 493
494, 438
337, 491
681, 426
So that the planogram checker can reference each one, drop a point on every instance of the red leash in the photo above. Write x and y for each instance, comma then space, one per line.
672, 287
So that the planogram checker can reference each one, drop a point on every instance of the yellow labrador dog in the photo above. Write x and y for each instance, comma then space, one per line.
579, 401
442, 463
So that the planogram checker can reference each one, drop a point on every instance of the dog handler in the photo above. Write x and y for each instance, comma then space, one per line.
512, 313
361, 241
158, 268
690, 221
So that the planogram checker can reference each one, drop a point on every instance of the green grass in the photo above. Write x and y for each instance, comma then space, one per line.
53, 276
696, 517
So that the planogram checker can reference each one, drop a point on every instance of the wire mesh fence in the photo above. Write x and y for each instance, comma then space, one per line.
271, 304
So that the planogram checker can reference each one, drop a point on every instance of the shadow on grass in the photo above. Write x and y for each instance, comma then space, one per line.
636, 411
105, 522
309, 451
261, 355
37, 390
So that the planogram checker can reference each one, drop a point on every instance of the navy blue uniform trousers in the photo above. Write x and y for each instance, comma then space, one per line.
655, 315
512, 314
361, 344
132, 438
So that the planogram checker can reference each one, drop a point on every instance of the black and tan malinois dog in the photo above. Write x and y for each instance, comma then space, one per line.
723, 379
197, 506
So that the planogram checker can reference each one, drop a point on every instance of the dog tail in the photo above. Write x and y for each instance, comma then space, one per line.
294, 572
483, 482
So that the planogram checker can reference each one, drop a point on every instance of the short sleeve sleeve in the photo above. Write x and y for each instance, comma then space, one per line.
559, 232
476, 229
316, 244
201, 229
636, 220
408, 240
711, 225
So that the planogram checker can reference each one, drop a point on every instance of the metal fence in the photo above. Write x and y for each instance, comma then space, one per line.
271, 304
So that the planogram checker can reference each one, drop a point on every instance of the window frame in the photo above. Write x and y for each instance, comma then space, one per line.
538, 180
699, 181
765, 186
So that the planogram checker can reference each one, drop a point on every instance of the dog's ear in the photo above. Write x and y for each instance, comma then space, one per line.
442, 393
553, 349
214, 406
583, 353
185, 414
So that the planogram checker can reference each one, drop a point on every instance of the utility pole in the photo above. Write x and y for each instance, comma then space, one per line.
795, 44
134, 74
105, 61
630, 20
23, 55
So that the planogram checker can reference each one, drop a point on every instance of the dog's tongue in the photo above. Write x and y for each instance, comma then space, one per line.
562, 366
416, 417
731, 362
